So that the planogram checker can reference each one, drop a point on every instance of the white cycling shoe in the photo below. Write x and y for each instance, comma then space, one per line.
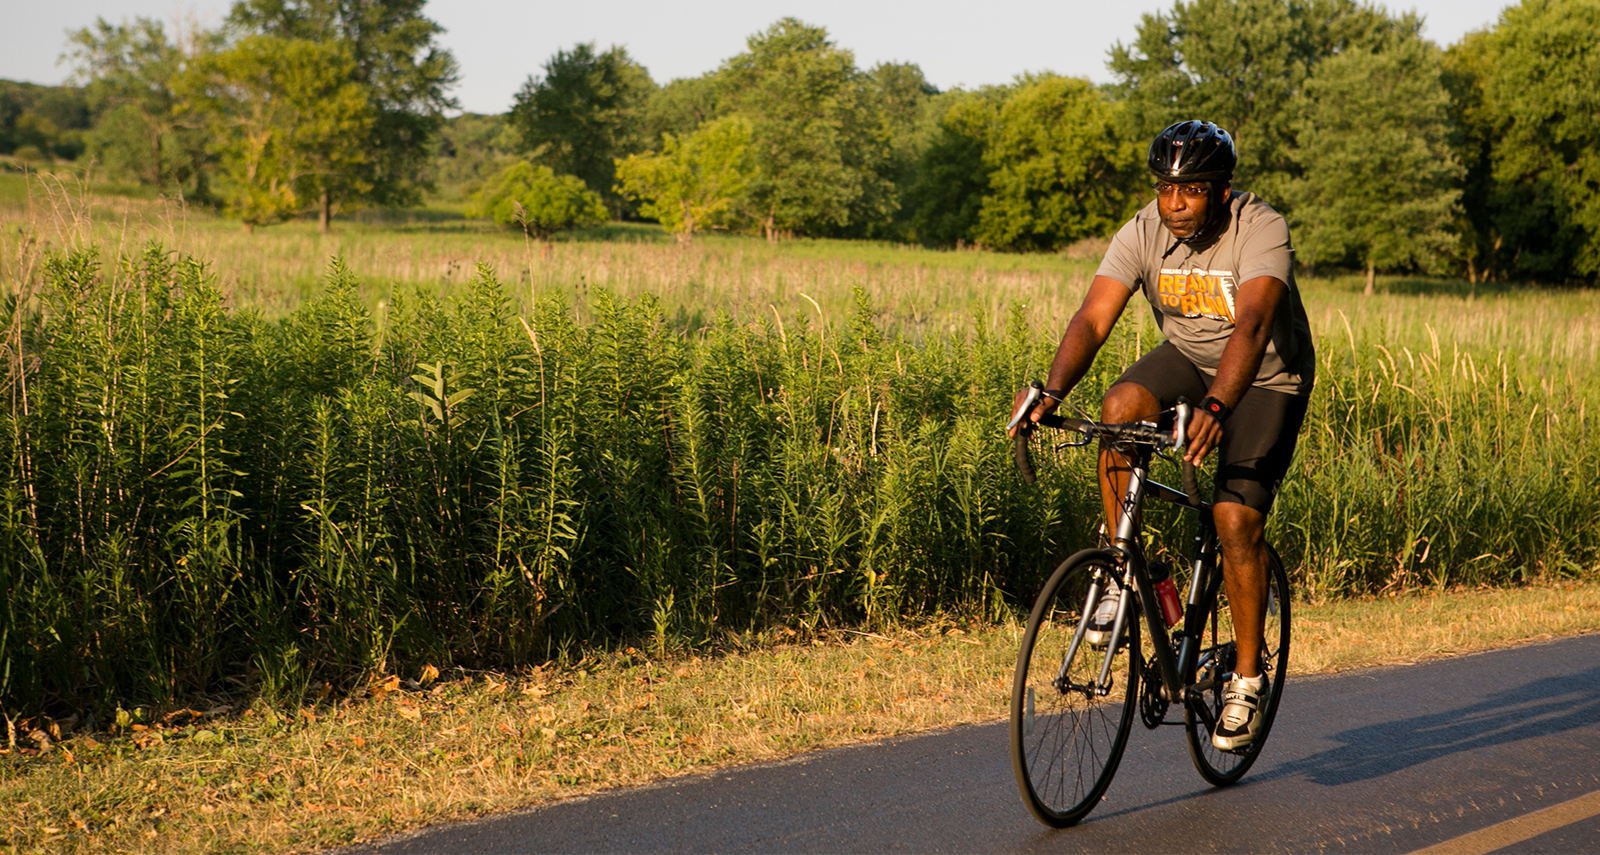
1240, 722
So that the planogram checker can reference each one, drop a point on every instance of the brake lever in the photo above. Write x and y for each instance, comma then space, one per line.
1180, 428
1035, 392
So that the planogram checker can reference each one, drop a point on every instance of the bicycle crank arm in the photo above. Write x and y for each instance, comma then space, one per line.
1195, 700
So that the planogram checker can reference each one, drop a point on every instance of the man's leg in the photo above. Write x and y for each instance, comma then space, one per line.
1124, 402
1240, 530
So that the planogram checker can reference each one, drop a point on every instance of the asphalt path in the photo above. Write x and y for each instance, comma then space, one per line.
1378, 760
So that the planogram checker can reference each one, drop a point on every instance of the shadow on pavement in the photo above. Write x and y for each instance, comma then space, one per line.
1537, 708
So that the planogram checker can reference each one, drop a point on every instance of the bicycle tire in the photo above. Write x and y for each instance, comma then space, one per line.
1065, 747
1221, 768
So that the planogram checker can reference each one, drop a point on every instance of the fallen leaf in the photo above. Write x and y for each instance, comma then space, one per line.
429, 674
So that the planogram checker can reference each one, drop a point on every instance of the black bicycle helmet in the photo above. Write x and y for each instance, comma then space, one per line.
1193, 151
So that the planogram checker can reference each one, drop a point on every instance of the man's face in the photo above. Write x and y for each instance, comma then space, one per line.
1184, 206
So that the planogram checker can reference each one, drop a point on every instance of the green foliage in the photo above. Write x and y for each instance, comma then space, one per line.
288, 123
904, 96
130, 73
1380, 179
402, 72
584, 114
679, 108
693, 183
472, 149
190, 494
952, 173
820, 146
1241, 64
537, 200
50, 120
1527, 94
1466, 65
1058, 170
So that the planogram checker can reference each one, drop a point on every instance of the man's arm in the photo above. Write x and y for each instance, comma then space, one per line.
1255, 305
1090, 327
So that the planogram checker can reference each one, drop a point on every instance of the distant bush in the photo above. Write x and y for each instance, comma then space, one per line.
538, 201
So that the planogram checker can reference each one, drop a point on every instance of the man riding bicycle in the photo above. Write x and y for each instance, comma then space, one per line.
1217, 267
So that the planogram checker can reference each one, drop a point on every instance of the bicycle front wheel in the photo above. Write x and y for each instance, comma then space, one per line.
1221, 768
1066, 738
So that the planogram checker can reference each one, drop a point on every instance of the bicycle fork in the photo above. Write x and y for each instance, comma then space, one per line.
1172, 666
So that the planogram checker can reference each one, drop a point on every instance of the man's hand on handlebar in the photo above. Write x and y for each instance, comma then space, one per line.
1044, 407
1205, 433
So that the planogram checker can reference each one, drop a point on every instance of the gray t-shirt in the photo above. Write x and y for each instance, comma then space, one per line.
1192, 290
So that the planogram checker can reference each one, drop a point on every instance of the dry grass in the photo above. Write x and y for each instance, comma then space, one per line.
276, 268
423, 751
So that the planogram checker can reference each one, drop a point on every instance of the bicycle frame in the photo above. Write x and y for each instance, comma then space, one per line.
1176, 667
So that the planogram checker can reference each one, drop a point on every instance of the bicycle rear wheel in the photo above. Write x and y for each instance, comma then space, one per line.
1066, 744
1217, 659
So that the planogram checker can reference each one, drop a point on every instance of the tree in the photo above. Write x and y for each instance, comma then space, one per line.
679, 108
287, 123
538, 201
1533, 102
694, 182
42, 121
818, 143
473, 148
902, 96
584, 113
952, 175
1465, 66
128, 71
402, 73
1059, 171
1380, 181
1241, 63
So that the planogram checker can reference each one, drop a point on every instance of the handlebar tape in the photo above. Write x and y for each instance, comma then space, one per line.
1190, 485
1024, 461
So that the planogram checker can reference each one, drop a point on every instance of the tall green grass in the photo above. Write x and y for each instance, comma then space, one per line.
196, 494
193, 494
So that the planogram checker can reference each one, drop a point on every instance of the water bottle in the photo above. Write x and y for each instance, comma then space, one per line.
1100, 623
1166, 592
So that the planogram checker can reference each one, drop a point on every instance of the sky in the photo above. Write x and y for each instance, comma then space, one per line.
499, 43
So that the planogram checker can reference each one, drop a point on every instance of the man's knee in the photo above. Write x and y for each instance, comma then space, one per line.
1238, 525
1126, 402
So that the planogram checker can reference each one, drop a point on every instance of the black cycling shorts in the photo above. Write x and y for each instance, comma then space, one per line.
1258, 439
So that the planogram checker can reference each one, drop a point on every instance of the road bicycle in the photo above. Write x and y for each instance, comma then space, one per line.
1073, 700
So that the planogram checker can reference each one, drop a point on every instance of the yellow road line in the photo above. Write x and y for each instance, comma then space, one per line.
1503, 834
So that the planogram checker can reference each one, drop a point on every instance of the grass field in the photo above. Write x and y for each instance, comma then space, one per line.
278, 268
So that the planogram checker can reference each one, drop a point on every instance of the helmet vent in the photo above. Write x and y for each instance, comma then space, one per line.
1211, 157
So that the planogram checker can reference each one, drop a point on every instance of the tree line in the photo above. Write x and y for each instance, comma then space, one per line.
290, 107
1386, 151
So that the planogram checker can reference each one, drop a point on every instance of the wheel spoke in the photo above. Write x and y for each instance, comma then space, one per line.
1065, 764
